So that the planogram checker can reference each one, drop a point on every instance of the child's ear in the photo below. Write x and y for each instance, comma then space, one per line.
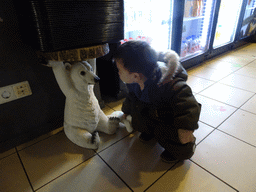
136, 77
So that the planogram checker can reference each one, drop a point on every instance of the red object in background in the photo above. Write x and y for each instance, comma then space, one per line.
143, 38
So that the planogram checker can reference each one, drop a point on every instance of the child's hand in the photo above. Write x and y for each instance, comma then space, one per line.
127, 120
185, 136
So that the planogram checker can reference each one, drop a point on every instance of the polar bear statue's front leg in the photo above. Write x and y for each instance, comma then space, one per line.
82, 137
107, 124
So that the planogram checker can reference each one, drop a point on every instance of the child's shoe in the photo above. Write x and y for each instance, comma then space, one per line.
167, 157
146, 137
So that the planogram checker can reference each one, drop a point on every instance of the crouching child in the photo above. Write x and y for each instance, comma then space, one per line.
160, 102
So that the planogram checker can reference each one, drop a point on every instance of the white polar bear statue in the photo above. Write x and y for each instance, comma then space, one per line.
83, 117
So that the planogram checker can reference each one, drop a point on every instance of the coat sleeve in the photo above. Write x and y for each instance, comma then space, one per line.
186, 110
126, 107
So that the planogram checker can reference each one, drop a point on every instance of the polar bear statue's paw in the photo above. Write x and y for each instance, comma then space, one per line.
95, 140
116, 114
113, 124
127, 122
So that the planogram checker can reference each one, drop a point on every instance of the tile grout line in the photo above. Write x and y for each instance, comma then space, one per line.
8, 155
114, 143
66, 172
218, 100
40, 140
162, 175
24, 169
221, 101
216, 128
114, 172
236, 87
236, 138
205, 137
218, 81
214, 175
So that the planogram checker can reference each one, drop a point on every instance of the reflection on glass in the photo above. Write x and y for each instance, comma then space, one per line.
150, 21
249, 22
227, 22
197, 22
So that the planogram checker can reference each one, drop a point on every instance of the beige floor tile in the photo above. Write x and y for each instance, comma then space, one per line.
202, 132
223, 65
213, 112
231, 160
117, 105
241, 125
240, 81
91, 176
246, 52
137, 163
236, 59
38, 139
250, 105
210, 73
198, 84
52, 157
7, 153
195, 70
252, 64
107, 140
189, 177
12, 175
250, 46
247, 71
226, 94
107, 110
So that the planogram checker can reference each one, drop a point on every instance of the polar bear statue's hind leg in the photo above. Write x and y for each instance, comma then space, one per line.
82, 137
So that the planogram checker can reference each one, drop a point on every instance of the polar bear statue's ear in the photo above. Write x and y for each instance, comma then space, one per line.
67, 66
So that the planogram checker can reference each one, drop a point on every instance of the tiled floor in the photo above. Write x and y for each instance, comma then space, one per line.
225, 158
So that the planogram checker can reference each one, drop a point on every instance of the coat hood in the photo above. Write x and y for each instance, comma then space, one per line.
170, 67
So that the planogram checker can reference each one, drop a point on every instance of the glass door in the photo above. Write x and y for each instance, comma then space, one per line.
227, 22
148, 20
249, 21
197, 24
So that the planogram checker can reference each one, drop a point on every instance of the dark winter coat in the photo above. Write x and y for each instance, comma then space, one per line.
162, 109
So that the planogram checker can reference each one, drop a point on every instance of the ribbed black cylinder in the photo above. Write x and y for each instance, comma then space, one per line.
69, 24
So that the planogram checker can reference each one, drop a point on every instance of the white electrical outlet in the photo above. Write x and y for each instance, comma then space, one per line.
15, 91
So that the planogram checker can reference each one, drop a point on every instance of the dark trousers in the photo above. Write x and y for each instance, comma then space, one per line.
179, 151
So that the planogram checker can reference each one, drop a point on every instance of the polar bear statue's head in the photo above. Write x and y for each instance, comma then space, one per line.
81, 74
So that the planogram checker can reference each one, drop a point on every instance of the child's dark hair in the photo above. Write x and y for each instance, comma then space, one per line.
137, 56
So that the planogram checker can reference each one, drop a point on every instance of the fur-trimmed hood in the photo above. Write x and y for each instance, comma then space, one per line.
170, 66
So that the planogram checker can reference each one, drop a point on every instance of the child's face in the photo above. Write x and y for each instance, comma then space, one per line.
125, 75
